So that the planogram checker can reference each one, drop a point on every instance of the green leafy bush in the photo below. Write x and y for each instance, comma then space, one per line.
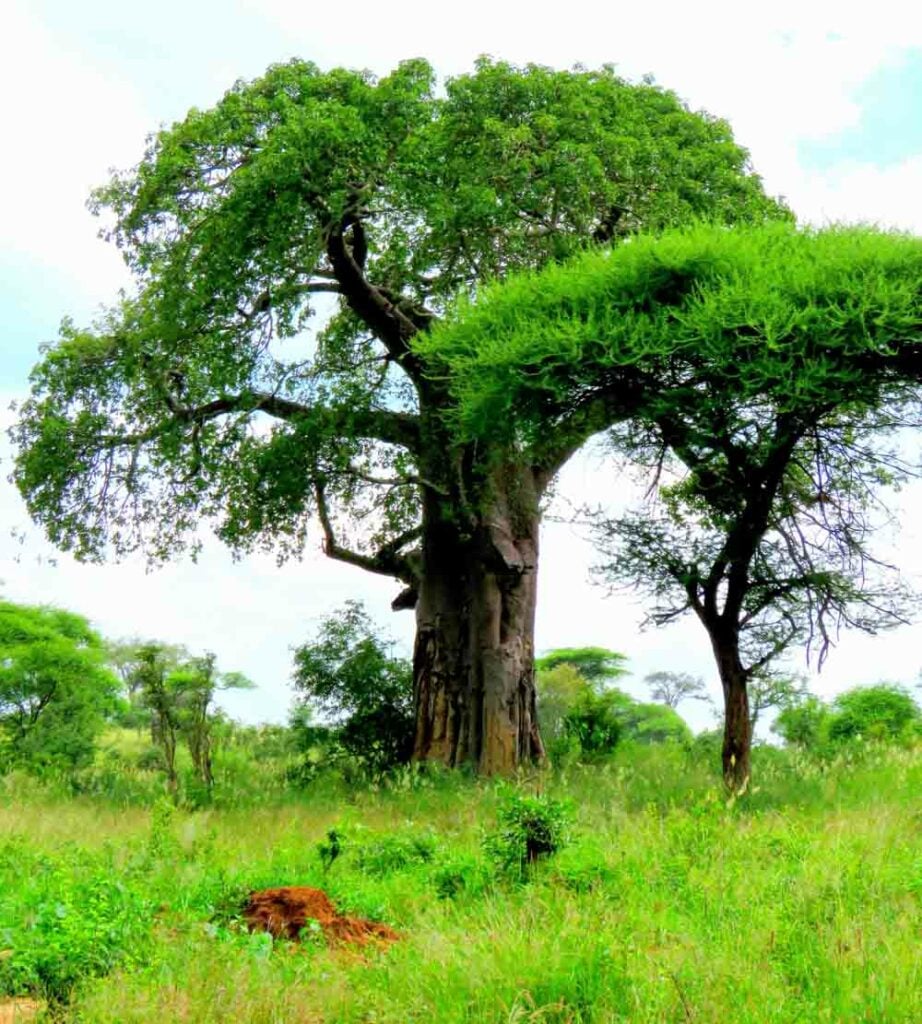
583, 866
64, 919
804, 724
461, 874
881, 712
349, 674
530, 827
381, 855
594, 721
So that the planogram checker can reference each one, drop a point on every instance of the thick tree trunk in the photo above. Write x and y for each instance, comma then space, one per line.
475, 614
737, 746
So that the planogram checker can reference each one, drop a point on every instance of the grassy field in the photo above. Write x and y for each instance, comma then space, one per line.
802, 902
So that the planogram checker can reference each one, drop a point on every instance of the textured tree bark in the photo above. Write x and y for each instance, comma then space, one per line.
475, 615
737, 745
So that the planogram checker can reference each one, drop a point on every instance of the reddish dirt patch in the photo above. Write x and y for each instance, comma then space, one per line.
284, 912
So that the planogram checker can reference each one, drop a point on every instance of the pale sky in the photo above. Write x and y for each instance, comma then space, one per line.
826, 96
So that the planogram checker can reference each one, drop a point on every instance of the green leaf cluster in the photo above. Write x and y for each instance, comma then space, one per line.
55, 689
349, 673
798, 317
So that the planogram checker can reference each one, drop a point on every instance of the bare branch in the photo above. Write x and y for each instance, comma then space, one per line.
387, 561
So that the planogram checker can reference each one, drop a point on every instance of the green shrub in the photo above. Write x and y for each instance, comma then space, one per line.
382, 855
881, 712
461, 874
349, 673
529, 827
804, 724
595, 722
65, 919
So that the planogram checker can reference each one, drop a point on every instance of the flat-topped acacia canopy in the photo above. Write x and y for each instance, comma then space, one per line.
796, 315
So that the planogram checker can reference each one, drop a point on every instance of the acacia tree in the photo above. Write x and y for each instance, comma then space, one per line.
290, 247
773, 368
671, 688
598, 665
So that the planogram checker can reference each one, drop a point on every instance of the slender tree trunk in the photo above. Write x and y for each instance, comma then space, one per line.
737, 746
475, 615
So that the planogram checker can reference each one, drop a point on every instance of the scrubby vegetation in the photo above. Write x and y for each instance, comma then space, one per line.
631, 890
618, 883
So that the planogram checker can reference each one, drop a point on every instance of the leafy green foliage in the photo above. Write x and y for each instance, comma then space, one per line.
882, 712
382, 193
596, 664
595, 722
382, 855
176, 691
64, 919
349, 674
529, 827
54, 688
588, 717
791, 315
804, 724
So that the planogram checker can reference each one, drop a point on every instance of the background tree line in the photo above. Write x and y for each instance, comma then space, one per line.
65, 693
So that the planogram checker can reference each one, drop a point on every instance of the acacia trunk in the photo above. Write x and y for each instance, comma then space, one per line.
737, 745
473, 660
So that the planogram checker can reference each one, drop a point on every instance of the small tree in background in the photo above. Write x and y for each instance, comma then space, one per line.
54, 687
193, 687
559, 690
652, 723
158, 696
177, 692
124, 658
588, 712
671, 688
597, 665
774, 690
349, 674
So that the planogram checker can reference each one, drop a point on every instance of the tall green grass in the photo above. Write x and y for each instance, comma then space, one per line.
669, 903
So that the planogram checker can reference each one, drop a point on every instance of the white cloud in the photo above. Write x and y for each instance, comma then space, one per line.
887, 196
64, 125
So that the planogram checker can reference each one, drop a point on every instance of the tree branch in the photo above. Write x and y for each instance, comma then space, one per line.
387, 561
385, 315
397, 428
593, 414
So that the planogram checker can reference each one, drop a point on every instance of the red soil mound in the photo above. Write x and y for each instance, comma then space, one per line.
284, 912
